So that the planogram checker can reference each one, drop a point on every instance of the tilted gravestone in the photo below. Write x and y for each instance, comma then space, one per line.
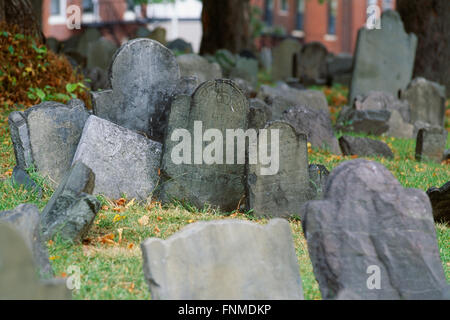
224, 260
46, 137
316, 124
440, 201
195, 172
280, 192
285, 59
71, 209
144, 76
426, 100
364, 147
18, 278
199, 67
372, 239
384, 58
312, 65
430, 144
123, 161
25, 218
374, 122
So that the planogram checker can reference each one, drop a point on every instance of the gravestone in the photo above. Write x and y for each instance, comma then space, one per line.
46, 137
312, 64
17, 272
20, 178
158, 34
25, 218
220, 105
224, 260
378, 100
71, 209
281, 192
180, 45
398, 128
144, 76
427, 101
259, 114
100, 54
318, 176
369, 228
384, 58
226, 59
440, 201
123, 161
88, 37
197, 66
340, 68
374, 122
316, 124
285, 59
364, 147
265, 58
430, 144
246, 69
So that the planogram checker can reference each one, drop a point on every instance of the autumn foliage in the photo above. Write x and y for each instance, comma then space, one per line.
30, 73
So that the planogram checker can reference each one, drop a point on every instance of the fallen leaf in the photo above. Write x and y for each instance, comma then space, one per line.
120, 231
157, 229
130, 246
143, 221
159, 218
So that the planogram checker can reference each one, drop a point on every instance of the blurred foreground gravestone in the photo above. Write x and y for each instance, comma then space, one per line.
18, 279
224, 260
384, 58
370, 238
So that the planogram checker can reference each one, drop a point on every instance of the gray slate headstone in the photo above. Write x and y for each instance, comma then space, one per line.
100, 54
123, 161
88, 37
246, 69
398, 128
440, 201
197, 66
384, 58
312, 65
144, 76
285, 58
367, 227
47, 136
220, 105
25, 218
378, 100
317, 126
224, 260
281, 193
374, 122
71, 209
364, 147
426, 100
430, 144
17, 272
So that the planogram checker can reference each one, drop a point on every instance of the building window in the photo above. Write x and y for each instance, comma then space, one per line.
332, 13
88, 6
268, 12
55, 8
387, 5
300, 14
57, 12
284, 6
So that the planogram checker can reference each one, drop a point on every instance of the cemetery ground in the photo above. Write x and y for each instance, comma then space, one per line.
110, 258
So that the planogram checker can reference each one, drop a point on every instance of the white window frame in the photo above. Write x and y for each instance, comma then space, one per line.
91, 17
281, 11
61, 17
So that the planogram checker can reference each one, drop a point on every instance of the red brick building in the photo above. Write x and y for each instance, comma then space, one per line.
335, 23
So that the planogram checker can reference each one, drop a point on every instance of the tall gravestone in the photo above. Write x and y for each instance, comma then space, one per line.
224, 260
219, 105
46, 137
370, 238
384, 58
285, 59
281, 193
17, 271
144, 76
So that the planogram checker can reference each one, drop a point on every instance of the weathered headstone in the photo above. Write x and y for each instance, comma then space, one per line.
46, 137
384, 58
374, 122
72, 209
218, 105
280, 193
378, 100
224, 260
100, 54
372, 239
440, 201
340, 68
316, 124
426, 100
17, 272
246, 69
318, 175
123, 161
285, 59
312, 65
88, 37
144, 76
430, 144
197, 66
398, 127
25, 218
364, 147
20, 178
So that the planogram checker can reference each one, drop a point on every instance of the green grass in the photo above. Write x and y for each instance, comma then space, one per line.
110, 258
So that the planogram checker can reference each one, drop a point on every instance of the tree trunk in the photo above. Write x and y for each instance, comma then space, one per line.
430, 21
26, 14
226, 25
